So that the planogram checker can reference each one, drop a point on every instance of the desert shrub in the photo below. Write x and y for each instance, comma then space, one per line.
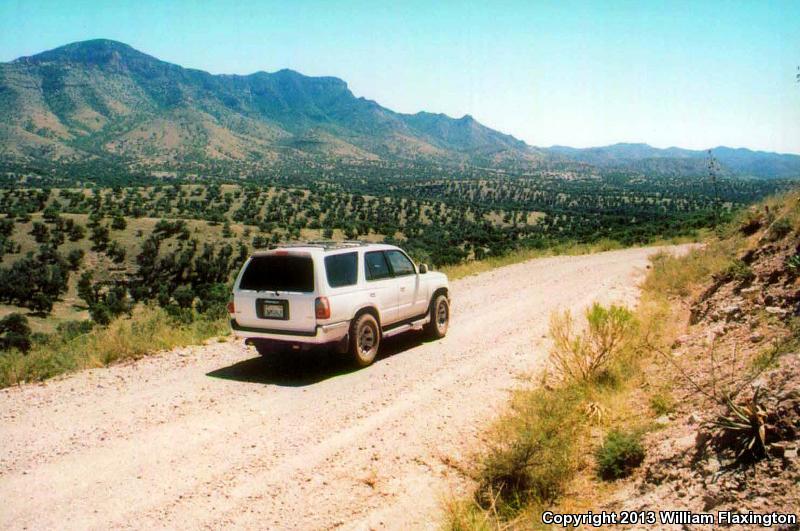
184, 296
76, 232
105, 301
118, 222
620, 453
535, 456
662, 403
116, 252
72, 329
585, 356
213, 301
179, 314
75, 258
100, 238
41, 303
15, 333
737, 271
100, 313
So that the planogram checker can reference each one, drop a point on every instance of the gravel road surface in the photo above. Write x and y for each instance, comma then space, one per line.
215, 436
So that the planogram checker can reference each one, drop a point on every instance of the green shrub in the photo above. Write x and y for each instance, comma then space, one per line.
737, 271
662, 403
184, 296
535, 456
586, 356
779, 229
72, 329
15, 332
213, 301
620, 453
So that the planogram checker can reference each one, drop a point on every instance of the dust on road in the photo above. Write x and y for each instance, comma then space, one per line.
216, 436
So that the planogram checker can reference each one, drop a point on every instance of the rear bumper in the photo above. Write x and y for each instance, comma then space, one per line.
329, 333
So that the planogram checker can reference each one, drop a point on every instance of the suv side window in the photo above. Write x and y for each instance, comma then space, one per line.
400, 263
341, 269
375, 266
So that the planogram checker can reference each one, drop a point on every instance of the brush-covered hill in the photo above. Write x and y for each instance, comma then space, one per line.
677, 161
103, 98
103, 103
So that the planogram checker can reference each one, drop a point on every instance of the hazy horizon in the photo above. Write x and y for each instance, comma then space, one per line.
682, 75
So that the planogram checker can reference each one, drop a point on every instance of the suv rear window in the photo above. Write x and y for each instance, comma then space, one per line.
279, 273
341, 269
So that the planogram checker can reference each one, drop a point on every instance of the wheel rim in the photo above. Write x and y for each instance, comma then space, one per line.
366, 340
441, 315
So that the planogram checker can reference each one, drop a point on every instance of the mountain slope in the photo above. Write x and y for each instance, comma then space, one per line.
102, 100
675, 160
99, 97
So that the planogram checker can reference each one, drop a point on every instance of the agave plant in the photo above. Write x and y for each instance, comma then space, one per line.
743, 428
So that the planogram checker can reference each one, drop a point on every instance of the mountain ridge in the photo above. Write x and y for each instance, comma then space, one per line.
79, 93
101, 99
736, 161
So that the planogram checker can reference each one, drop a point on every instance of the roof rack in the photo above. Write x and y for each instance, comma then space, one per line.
322, 244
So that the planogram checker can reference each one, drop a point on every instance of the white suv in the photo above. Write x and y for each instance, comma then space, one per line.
348, 295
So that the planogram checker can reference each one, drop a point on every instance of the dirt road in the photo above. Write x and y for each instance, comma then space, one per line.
216, 436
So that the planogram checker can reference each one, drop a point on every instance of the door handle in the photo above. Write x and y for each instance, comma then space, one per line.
402, 288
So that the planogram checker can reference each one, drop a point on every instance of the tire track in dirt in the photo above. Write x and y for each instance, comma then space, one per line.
213, 436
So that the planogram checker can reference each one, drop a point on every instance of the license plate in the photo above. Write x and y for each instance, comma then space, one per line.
273, 310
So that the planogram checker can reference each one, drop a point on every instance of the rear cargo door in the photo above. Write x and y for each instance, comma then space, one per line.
276, 292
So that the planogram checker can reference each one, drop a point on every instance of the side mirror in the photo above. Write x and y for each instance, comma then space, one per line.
423, 268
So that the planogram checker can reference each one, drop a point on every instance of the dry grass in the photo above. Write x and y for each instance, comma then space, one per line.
635, 389
542, 447
677, 276
148, 330
474, 267
540, 454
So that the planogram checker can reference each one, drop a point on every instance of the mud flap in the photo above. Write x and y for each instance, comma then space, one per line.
343, 345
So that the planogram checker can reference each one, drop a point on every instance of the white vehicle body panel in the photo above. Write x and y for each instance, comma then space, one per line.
276, 300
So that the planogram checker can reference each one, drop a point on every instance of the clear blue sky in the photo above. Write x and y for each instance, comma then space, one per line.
694, 74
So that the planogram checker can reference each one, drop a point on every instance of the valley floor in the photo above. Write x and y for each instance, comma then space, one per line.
216, 436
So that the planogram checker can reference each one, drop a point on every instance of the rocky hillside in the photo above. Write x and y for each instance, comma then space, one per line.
732, 442
105, 102
104, 98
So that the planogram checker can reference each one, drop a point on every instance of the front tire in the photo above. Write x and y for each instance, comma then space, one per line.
439, 318
365, 339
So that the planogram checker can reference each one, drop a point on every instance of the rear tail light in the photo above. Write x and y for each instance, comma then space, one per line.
322, 308
231, 308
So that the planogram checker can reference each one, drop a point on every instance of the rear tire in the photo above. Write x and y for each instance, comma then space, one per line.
365, 339
266, 348
439, 317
